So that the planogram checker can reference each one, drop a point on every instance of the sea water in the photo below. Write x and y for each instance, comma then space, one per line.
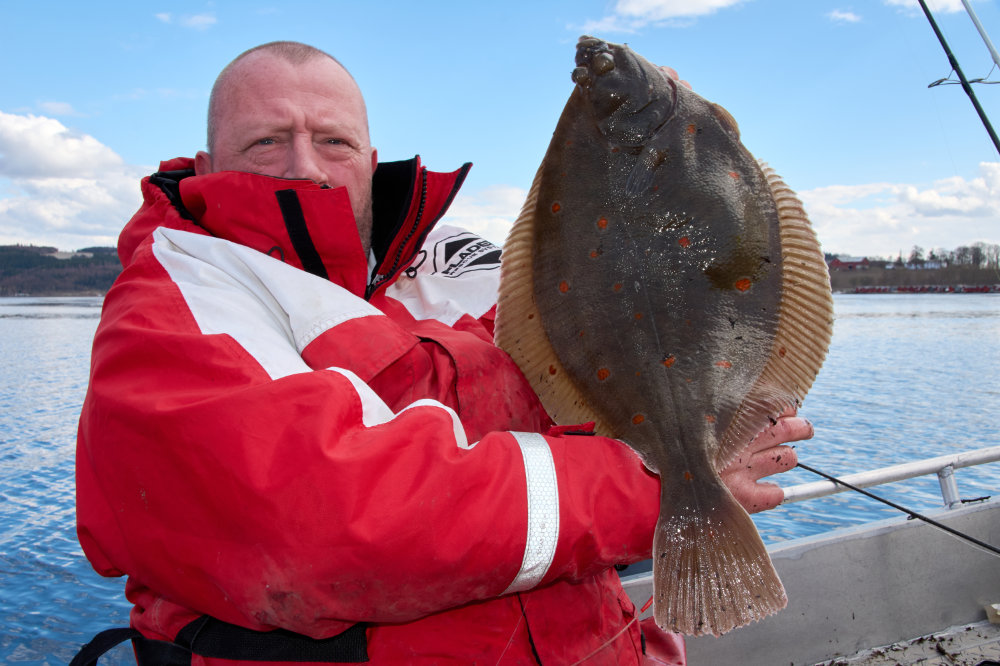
907, 377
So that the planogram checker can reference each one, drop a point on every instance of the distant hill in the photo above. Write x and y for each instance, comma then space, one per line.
42, 271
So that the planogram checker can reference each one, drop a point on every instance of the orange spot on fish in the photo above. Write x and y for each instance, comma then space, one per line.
552, 369
594, 254
556, 207
669, 360
531, 316
684, 241
688, 476
603, 374
564, 286
709, 418
617, 286
734, 175
638, 315
724, 364
602, 223
782, 351
615, 150
638, 418
691, 129
743, 285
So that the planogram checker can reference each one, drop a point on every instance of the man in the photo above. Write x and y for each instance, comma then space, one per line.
299, 441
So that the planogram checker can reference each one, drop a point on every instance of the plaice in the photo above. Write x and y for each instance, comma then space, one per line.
665, 285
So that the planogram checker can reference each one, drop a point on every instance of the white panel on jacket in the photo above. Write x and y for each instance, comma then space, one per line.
271, 309
456, 273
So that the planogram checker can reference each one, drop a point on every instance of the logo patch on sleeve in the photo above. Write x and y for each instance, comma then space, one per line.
463, 253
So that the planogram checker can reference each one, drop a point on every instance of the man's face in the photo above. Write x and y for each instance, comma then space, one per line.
295, 121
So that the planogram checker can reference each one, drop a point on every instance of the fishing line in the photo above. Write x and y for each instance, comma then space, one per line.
912, 514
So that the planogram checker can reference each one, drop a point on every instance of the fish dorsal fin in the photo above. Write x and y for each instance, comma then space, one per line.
805, 326
519, 329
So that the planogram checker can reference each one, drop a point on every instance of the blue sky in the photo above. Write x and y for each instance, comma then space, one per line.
832, 93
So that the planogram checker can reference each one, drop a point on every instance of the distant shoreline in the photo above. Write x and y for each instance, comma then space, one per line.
927, 289
947, 280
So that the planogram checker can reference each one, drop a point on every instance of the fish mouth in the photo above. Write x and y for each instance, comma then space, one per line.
594, 57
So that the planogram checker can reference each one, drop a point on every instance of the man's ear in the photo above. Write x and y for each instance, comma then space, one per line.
202, 163
374, 159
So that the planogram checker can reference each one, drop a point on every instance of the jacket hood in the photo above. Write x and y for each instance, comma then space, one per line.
297, 221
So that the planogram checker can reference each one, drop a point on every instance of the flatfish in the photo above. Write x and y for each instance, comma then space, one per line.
664, 284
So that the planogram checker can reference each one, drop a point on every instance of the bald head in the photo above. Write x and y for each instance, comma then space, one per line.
289, 110
294, 53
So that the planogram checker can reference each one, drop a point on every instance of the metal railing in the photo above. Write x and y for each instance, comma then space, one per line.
943, 466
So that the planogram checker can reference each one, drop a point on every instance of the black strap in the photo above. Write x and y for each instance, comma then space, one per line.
298, 232
101, 643
209, 637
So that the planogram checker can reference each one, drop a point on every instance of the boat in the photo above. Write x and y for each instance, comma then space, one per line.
895, 591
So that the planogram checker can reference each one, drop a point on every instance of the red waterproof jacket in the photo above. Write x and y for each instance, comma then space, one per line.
277, 440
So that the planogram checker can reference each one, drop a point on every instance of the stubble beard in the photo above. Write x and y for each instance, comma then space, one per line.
363, 218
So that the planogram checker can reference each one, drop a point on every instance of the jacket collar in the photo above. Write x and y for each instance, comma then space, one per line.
297, 221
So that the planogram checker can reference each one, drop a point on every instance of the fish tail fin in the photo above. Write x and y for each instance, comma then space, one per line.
711, 571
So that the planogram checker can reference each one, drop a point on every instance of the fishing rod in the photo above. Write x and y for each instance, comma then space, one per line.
966, 86
982, 32
912, 514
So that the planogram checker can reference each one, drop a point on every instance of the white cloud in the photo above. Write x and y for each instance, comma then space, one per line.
40, 147
841, 16
631, 15
194, 21
490, 212
883, 219
61, 187
199, 21
944, 6
58, 108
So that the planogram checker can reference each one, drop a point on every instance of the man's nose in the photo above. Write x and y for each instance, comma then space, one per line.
304, 162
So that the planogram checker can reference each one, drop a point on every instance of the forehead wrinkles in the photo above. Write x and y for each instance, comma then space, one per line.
260, 77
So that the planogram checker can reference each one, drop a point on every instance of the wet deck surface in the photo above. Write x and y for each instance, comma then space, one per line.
969, 645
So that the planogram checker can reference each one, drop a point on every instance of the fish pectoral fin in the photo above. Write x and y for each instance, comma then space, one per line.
640, 179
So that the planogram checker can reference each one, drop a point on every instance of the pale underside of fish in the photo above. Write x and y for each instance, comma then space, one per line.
667, 286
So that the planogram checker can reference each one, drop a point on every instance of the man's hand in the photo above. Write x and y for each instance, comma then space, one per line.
671, 73
766, 455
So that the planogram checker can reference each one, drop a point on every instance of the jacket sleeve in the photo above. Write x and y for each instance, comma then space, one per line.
217, 467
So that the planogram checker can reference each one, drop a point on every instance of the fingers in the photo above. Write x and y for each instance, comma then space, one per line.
759, 497
671, 73
774, 460
766, 455
786, 429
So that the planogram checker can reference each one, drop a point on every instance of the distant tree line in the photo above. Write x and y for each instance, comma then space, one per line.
975, 265
977, 255
36, 271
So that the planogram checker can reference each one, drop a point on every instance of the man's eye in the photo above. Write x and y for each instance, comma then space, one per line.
265, 142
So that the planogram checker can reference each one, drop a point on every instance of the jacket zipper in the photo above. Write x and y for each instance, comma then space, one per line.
380, 276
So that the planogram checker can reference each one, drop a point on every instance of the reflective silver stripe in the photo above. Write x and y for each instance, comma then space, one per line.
543, 511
